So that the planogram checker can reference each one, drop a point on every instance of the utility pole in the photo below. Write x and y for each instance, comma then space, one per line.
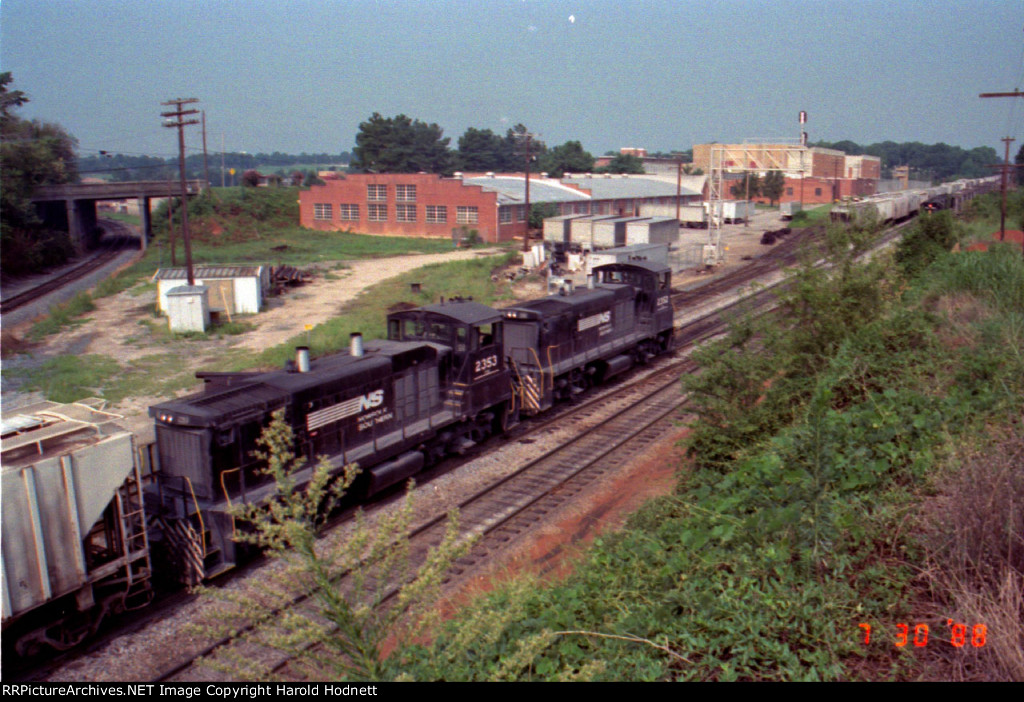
1006, 166
206, 163
528, 136
178, 116
802, 119
1002, 211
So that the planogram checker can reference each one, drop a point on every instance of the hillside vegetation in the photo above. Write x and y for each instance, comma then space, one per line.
849, 473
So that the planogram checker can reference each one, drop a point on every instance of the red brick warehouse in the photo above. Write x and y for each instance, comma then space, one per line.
409, 204
427, 205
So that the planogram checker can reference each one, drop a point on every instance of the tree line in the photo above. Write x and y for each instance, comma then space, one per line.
404, 145
32, 153
935, 162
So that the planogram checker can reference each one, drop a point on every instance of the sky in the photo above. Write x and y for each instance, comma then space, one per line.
300, 75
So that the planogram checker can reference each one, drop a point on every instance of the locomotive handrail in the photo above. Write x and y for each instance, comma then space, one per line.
199, 513
227, 497
522, 390
540, 367
551, 365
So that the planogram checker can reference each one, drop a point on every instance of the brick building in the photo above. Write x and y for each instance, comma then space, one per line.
814, 175
494, 205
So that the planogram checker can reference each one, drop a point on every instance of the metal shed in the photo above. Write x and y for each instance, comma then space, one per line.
582, 230
558, 229
609, 233
236, 289
652, 230
689, 215
655, 253
188, 308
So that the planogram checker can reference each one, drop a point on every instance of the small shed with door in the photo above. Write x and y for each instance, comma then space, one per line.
233, 289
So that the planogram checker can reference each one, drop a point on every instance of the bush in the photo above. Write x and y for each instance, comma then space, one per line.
932, 235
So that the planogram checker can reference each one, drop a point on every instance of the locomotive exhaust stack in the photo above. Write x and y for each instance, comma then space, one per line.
302, 359
355, 344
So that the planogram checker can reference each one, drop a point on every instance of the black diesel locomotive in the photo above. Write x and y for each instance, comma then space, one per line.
448, 375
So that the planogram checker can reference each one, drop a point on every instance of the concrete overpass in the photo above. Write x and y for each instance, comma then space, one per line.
73, 207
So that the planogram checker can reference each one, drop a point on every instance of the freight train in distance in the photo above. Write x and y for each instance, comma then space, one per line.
448, 375
902, 204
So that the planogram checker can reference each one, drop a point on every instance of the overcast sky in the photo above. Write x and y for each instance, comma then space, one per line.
300, 75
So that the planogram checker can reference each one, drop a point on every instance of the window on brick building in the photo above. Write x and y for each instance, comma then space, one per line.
521, 213
789, 191
405, 213
405, 193
322, 210
817, 191
376, 193
437, 214
505, 215
348, 213
377, 213
466, 215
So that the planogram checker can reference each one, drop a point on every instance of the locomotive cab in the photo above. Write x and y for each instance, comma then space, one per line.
653, 285
477, 378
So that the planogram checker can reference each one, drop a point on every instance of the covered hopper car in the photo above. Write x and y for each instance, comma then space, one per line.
75, 543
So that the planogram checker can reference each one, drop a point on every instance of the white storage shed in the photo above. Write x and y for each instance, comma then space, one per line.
235, 289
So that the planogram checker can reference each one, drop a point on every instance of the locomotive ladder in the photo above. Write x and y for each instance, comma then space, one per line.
134, 542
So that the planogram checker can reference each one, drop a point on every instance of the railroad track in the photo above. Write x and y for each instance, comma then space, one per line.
118, 238
613, 429
513, 504
785, 253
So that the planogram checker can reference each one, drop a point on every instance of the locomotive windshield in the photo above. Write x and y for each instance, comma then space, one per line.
439, 332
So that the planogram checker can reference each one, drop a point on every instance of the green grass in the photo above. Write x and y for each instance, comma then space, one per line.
260, 226
810, 217
134, 220
72, 378
63, 316
69, 378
